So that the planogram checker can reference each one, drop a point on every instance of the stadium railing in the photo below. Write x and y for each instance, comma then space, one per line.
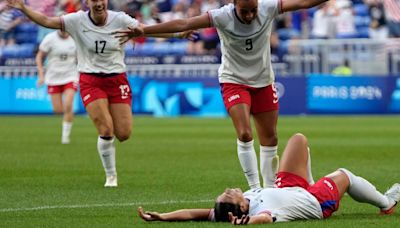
302, 57
365, 56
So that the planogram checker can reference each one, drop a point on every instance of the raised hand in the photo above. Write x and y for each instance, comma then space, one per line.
149, 216
40, 82
239, 221
190, 35
125, 35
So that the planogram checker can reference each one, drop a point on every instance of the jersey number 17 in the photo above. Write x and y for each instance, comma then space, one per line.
100, 46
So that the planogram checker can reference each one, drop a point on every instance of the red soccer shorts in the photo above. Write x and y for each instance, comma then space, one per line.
324, 190
54, 89
115, 88
262, 99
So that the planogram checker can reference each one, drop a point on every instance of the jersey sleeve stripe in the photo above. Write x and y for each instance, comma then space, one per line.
211, 215
62, 24
210, 19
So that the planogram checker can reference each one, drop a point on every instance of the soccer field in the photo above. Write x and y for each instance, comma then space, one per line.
172, 163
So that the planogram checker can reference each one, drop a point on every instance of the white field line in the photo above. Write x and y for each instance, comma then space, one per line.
53, 207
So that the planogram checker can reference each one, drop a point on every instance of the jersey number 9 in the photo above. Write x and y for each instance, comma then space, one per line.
249, 45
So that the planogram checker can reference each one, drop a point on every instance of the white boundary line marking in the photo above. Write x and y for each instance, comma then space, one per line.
100, 205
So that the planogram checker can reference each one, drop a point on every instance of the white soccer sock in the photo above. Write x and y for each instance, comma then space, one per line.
363, 191
310, 178
248, 161
106, 149
66, 129
269, 164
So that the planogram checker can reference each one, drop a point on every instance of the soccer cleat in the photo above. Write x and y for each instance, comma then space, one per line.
111, 181
65, 140
393, 194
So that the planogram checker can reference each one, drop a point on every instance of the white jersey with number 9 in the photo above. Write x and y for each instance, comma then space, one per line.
246, 57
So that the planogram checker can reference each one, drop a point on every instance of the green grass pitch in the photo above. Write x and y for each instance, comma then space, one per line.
172, 163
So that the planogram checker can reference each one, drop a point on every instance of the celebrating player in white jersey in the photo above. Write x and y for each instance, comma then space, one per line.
61, 76
245, 75
104, 87
292, 198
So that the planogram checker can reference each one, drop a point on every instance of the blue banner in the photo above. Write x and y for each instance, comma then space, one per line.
330, 94
176, 97
201, 97
394, 104
5, 91
292, 95
21, 96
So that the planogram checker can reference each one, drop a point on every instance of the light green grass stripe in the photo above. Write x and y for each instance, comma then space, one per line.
54, 207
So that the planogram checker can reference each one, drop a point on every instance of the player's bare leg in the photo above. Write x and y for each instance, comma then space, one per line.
294, 157
240, 115
297, 147
122, 119
56, 102
69, 96
310, 177
98, 111
265, 123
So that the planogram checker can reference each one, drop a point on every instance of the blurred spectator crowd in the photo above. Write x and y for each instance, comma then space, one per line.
336, 19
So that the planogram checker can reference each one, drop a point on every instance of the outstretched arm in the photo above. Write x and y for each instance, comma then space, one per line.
179, 25
125, 35
39, 63
292, 5
179, 215
37, 17
170, 27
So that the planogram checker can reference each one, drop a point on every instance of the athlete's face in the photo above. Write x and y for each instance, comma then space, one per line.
97, 6
247, 10
234, 196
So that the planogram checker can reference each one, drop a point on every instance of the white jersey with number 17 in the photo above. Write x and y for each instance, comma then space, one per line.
98, 50
246, 55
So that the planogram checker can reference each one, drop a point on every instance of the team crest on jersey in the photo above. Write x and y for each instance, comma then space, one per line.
86, 97
234, 97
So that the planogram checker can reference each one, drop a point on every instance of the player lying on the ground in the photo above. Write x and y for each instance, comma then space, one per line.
293, 197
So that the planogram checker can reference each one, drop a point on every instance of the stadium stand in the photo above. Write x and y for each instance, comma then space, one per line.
26, 33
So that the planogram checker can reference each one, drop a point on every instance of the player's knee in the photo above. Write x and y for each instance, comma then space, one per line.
122, 138
342, 180
103, 126
349, 175
124, 135
299, 138
68, 109
245, 136
58, 110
